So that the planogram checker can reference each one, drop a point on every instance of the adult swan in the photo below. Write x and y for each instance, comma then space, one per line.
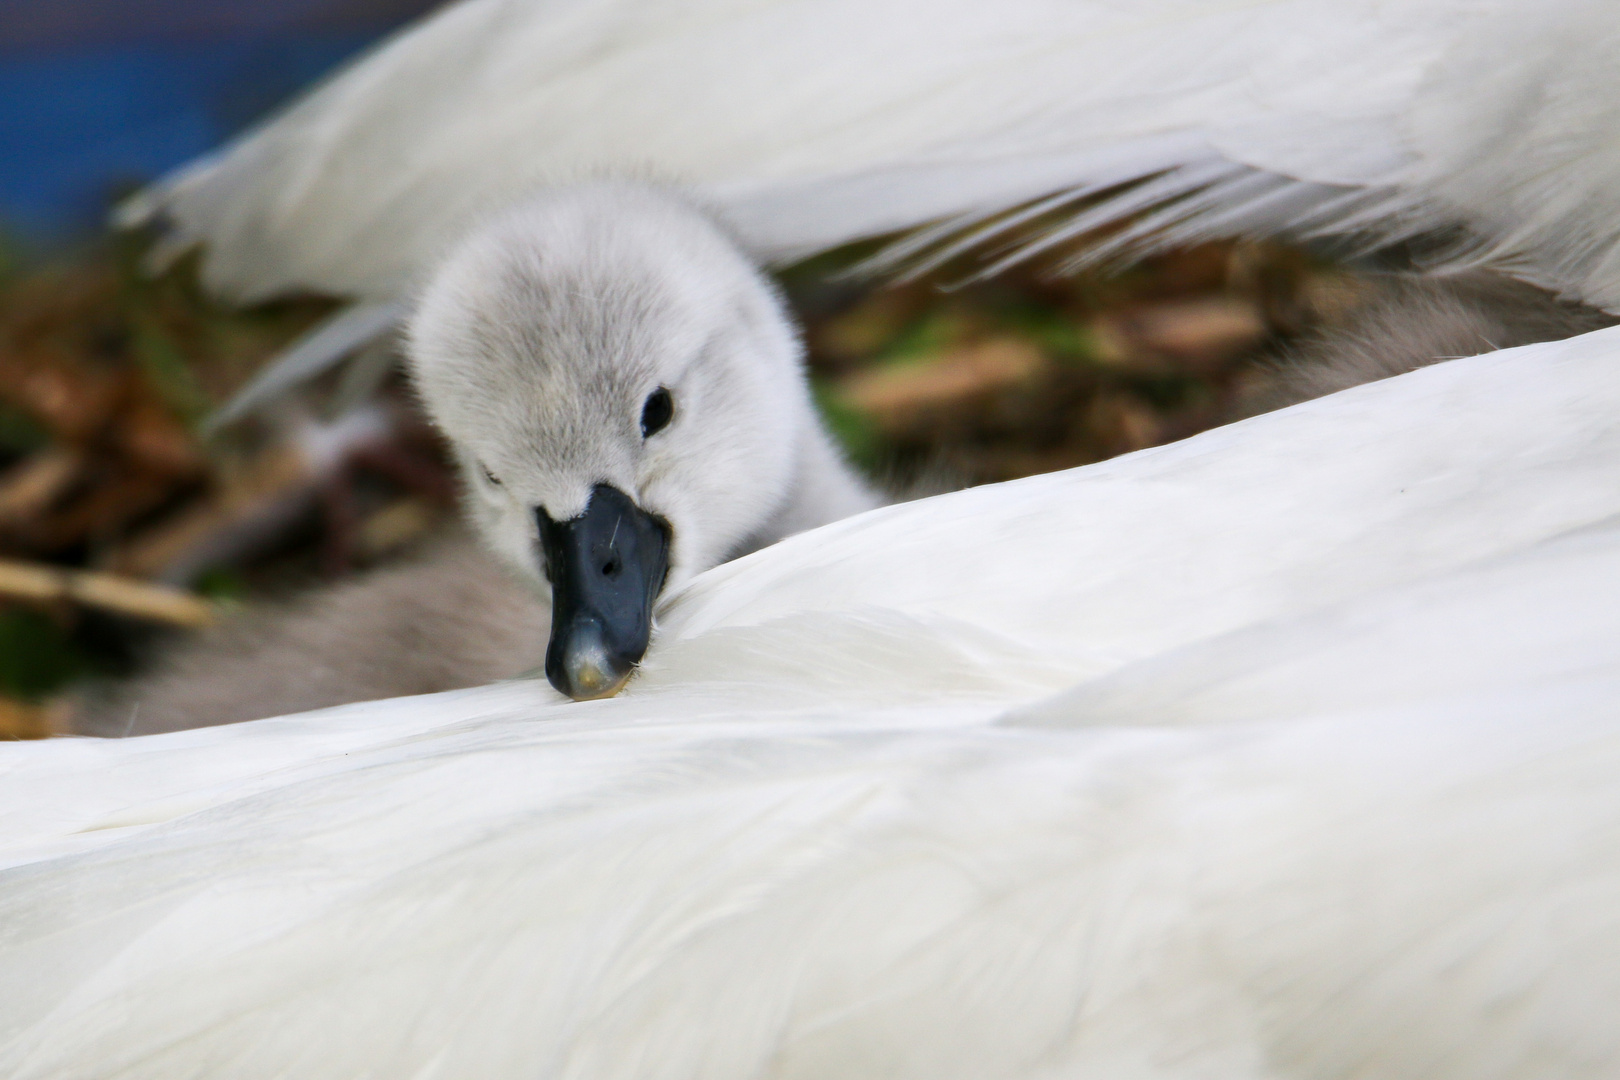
1304, 767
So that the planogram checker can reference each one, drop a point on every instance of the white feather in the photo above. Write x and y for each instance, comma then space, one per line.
314, 352
1285, 751
814, 122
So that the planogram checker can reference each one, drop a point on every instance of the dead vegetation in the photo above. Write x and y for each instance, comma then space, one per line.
119, 524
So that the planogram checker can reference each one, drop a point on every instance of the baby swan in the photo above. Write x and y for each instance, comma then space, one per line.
625, 394
626, 397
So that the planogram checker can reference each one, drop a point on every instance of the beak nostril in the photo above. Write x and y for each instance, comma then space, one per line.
610, 568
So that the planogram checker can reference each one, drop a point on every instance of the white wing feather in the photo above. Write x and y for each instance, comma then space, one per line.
1297, 768
814, 122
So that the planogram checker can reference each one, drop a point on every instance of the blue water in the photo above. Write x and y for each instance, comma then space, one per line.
79, 125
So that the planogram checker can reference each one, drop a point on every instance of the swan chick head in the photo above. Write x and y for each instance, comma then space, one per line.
624, 393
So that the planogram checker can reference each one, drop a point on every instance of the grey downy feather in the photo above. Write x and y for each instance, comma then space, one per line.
1410, 322
449, 618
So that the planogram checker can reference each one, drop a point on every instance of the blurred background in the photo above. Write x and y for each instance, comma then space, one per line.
122, 526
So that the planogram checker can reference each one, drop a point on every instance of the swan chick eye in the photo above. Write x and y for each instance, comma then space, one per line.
494, 481
656, 413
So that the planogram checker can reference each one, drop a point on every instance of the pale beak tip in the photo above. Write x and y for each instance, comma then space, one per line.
591, 675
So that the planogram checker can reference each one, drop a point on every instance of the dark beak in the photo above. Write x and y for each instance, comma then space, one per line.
606, 569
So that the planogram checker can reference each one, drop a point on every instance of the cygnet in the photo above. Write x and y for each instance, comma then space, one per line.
625, 394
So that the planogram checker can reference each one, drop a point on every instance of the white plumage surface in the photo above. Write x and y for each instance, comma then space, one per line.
1288, 750
813, 122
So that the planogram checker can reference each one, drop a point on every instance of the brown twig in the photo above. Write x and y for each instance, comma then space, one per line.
160, 603
28, 488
